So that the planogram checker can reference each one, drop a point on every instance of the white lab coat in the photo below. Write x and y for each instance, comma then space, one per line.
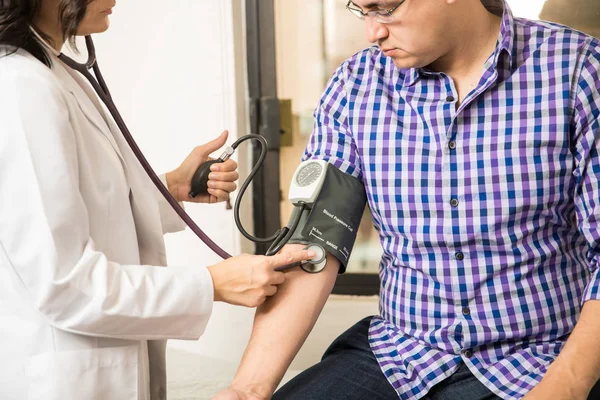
83, 314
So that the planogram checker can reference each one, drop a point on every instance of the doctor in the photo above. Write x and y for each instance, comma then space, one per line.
84, 306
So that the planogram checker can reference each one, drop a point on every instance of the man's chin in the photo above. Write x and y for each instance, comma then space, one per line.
408, 62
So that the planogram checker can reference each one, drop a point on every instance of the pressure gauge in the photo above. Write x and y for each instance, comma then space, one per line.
307, 181
309, 174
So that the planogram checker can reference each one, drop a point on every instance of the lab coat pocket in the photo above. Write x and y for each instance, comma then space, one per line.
91, 374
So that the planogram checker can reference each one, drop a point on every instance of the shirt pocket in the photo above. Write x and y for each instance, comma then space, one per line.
102, 373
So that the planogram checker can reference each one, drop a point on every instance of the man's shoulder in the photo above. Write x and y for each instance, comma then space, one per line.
368, 63
534, 34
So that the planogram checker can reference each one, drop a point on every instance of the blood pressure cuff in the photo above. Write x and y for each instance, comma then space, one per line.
335, 216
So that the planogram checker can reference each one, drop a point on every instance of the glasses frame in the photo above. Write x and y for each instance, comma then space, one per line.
377, 15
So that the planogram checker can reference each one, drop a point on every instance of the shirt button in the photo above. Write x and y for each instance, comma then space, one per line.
452, 145
466, 311
468, 353
460, 256
450, 99
454, 202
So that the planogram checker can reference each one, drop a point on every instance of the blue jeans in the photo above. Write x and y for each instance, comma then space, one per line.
349, 371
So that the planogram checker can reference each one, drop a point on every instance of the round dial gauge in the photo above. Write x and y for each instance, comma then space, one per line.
308, 174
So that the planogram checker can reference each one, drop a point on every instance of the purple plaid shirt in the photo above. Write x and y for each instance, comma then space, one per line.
487, 214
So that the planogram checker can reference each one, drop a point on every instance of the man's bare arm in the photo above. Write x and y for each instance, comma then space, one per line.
281, 326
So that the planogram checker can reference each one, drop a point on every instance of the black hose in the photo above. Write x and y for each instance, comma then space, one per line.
278, 244
236, 207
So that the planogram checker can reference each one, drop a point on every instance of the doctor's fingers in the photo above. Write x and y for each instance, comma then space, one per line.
282, 259
271, 291
276, 277
229, 176
222, 185
219, 194
226, 166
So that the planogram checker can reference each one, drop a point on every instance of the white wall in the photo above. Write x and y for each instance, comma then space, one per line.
173, 74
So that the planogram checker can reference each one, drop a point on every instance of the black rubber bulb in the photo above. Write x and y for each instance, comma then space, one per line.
200, 178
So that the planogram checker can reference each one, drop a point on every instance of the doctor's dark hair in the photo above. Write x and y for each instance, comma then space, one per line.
16, 16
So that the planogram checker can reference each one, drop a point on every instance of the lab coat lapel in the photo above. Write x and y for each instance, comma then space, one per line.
143, 200
150, 241
143, 203
86, 99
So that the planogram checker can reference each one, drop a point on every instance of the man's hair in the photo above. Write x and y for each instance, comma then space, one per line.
494, 6
17, 16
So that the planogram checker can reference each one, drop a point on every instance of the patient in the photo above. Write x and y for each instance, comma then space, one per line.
475, 134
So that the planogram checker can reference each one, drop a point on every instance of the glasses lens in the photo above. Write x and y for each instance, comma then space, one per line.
384, 18
355, 11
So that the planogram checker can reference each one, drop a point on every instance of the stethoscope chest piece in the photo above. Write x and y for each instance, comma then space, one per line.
318, 262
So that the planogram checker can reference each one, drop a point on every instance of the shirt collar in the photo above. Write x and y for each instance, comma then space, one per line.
504, 43
506, 37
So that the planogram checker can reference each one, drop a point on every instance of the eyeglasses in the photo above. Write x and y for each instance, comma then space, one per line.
381, 16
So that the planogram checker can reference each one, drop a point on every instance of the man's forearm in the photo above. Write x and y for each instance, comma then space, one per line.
578, 365
281, 325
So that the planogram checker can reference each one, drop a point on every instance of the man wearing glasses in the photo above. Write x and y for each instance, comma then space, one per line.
476, 135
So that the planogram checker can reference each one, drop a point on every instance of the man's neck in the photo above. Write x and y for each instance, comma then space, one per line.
474, 44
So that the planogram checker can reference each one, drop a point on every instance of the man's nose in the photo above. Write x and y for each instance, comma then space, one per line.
375, 30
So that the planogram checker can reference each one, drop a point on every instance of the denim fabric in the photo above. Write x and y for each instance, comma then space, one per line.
349, 371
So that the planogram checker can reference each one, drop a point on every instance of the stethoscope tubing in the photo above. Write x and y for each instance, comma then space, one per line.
102, 91
99, 85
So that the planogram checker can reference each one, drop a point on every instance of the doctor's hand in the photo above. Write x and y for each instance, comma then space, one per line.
221, 179
247, 280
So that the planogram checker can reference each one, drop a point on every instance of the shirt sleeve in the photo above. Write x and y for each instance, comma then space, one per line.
586, 121
45, 242
332, 139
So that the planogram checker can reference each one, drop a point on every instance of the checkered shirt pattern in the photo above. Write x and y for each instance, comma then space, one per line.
487, 212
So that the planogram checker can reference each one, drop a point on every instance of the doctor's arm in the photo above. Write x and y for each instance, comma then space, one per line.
46, 246
45, 237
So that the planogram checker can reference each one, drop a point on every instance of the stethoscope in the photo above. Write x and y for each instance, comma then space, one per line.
200, 179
